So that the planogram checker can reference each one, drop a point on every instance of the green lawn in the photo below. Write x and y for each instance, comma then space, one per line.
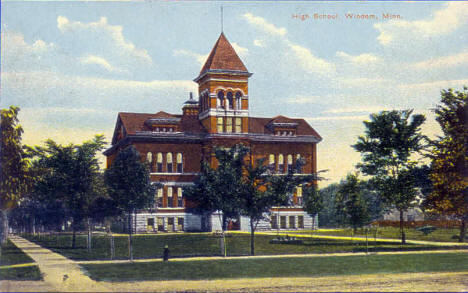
185, 245
279, 267
439, 235
11, 255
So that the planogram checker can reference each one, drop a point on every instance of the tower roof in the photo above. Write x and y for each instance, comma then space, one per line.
223, 57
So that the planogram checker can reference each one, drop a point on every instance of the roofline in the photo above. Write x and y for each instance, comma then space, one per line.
221, 71
198, 138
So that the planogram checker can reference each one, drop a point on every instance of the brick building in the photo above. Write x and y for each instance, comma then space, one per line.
175, 144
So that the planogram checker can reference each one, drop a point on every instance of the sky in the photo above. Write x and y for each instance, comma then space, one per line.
72, 66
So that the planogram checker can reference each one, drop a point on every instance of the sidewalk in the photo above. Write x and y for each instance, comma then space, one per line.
59, 273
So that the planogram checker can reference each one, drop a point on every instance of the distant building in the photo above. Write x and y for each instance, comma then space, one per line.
175, 145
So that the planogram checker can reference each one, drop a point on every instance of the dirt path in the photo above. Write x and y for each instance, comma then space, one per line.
59, 273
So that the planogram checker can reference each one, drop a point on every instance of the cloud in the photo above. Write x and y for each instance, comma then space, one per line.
372, 109
92, 59
443, 62
349, 117
310, 62
444, 21
364, 81
201, 59
259, 43
303, 100
363, 59
99, 38
241, 51
262, 24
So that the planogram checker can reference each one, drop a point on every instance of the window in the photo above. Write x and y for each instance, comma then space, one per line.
149, 159
292, 222
220, 100
169, 163
280, 163
298, 157
160, 223
283, 222
180, 201
159, 162
238, 100
179, 163
274, 222
238, 125
170, 201
220, 125
290, 163
159, 199
299, 195
230, 100
229, 125
180, 224
271, 162
300, 221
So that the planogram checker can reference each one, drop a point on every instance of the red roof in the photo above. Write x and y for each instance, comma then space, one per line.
223, 56
134, 122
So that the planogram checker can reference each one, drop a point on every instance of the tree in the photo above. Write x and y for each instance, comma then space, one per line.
261, 190
313, 201
391, 138
69, 177
218, 189
327, 217
13, 165
449, 156
129, 186
350, 203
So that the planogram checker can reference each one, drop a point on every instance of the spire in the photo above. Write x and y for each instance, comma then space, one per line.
223, 57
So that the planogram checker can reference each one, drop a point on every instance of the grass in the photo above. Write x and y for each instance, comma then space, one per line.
197, 244
12, 255
439, 235
30, 273
278, 267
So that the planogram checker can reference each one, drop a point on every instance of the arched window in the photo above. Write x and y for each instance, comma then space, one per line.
169, 163
280, 163
179, 163
170, 200
159, 199
290, 162
159, 162
271, 162
238, 100
180, 202
149, 157
220, 99
230, 100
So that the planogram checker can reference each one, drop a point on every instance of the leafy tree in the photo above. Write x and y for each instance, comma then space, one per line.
69, 177
350, 202
129, 186
391, 138
13, 165
262, 190
313, 201
327, 217
218, 189
449, 166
